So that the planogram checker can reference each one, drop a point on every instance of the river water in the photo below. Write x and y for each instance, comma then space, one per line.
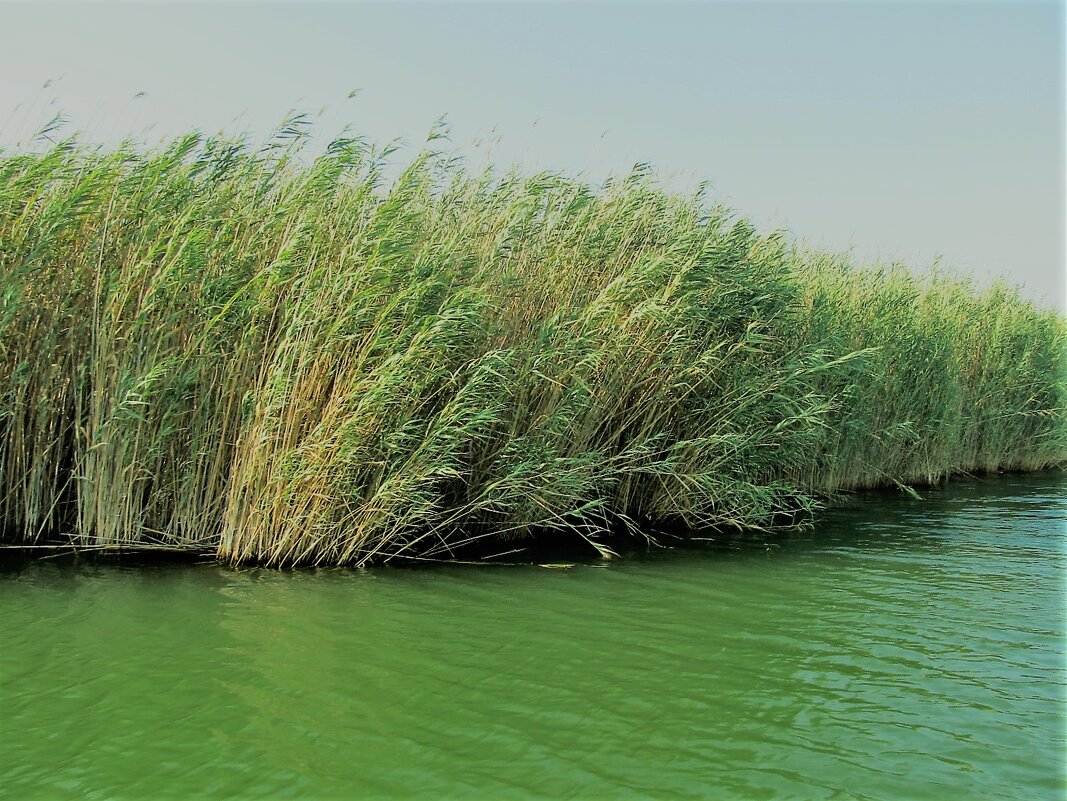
902, 649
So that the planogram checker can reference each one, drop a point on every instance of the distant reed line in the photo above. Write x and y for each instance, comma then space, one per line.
291, 362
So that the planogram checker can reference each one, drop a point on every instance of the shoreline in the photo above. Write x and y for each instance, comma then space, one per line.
540, 554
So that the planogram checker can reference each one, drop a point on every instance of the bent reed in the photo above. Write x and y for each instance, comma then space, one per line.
210, 345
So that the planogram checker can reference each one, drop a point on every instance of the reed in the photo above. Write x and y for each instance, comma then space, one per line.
294, 362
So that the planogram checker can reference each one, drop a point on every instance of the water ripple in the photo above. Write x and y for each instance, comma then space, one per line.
902, 650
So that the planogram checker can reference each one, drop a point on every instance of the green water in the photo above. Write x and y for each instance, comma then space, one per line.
902, 649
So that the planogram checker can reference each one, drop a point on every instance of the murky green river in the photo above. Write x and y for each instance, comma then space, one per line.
902, 649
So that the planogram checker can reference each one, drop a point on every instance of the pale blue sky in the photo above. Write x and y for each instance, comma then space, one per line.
899, 130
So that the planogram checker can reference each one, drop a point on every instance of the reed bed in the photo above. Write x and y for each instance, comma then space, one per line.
211, 345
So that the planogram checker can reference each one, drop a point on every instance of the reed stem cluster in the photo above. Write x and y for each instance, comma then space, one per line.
295, 362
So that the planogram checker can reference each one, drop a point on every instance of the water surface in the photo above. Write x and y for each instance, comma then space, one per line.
902, 649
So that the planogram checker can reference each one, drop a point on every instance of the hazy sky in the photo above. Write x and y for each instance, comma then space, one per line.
900, 130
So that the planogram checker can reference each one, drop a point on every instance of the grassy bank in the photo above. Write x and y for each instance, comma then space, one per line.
217, 346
